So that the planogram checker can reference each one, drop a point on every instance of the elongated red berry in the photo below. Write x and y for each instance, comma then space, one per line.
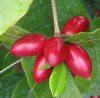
95, 97
55, 51
78, 61
41, 75
29, 45
75, 25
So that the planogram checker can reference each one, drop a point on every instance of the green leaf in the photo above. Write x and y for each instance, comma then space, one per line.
11, 12
28, 64
7, 84
58, 80
86, 38
95, 87
95, 24
4, 62
83, 84
37, 21
93, 51
11, 35
65, 11
22, 90
95, 55
90, 41
46, 66
41, 90
8, 79
72, 90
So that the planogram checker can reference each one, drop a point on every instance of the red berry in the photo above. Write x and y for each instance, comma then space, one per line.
78, 61
55, 51
41, 75
95, 97
29, 45
75, 25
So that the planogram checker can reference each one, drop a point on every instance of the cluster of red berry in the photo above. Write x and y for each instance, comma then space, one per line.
53, 51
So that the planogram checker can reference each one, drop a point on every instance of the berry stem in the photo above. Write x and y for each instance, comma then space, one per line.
55, 17
10, 66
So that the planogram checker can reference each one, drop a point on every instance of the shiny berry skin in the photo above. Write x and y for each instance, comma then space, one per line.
41, 75
78, 61
95, 97
75, 25
55, 51
29, 45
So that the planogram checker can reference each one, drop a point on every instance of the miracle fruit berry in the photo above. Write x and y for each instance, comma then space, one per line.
95, 97
75, 25
41, 75
55, 51
78, 61
29, 45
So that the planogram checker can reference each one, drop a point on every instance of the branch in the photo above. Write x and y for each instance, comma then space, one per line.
55, 17
8, 67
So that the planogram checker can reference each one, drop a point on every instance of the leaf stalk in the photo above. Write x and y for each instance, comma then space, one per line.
10, 66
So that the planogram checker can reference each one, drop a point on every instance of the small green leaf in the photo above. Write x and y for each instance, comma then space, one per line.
22, 90
71, 90
86, 38
46, 66
58, 80
11, 11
